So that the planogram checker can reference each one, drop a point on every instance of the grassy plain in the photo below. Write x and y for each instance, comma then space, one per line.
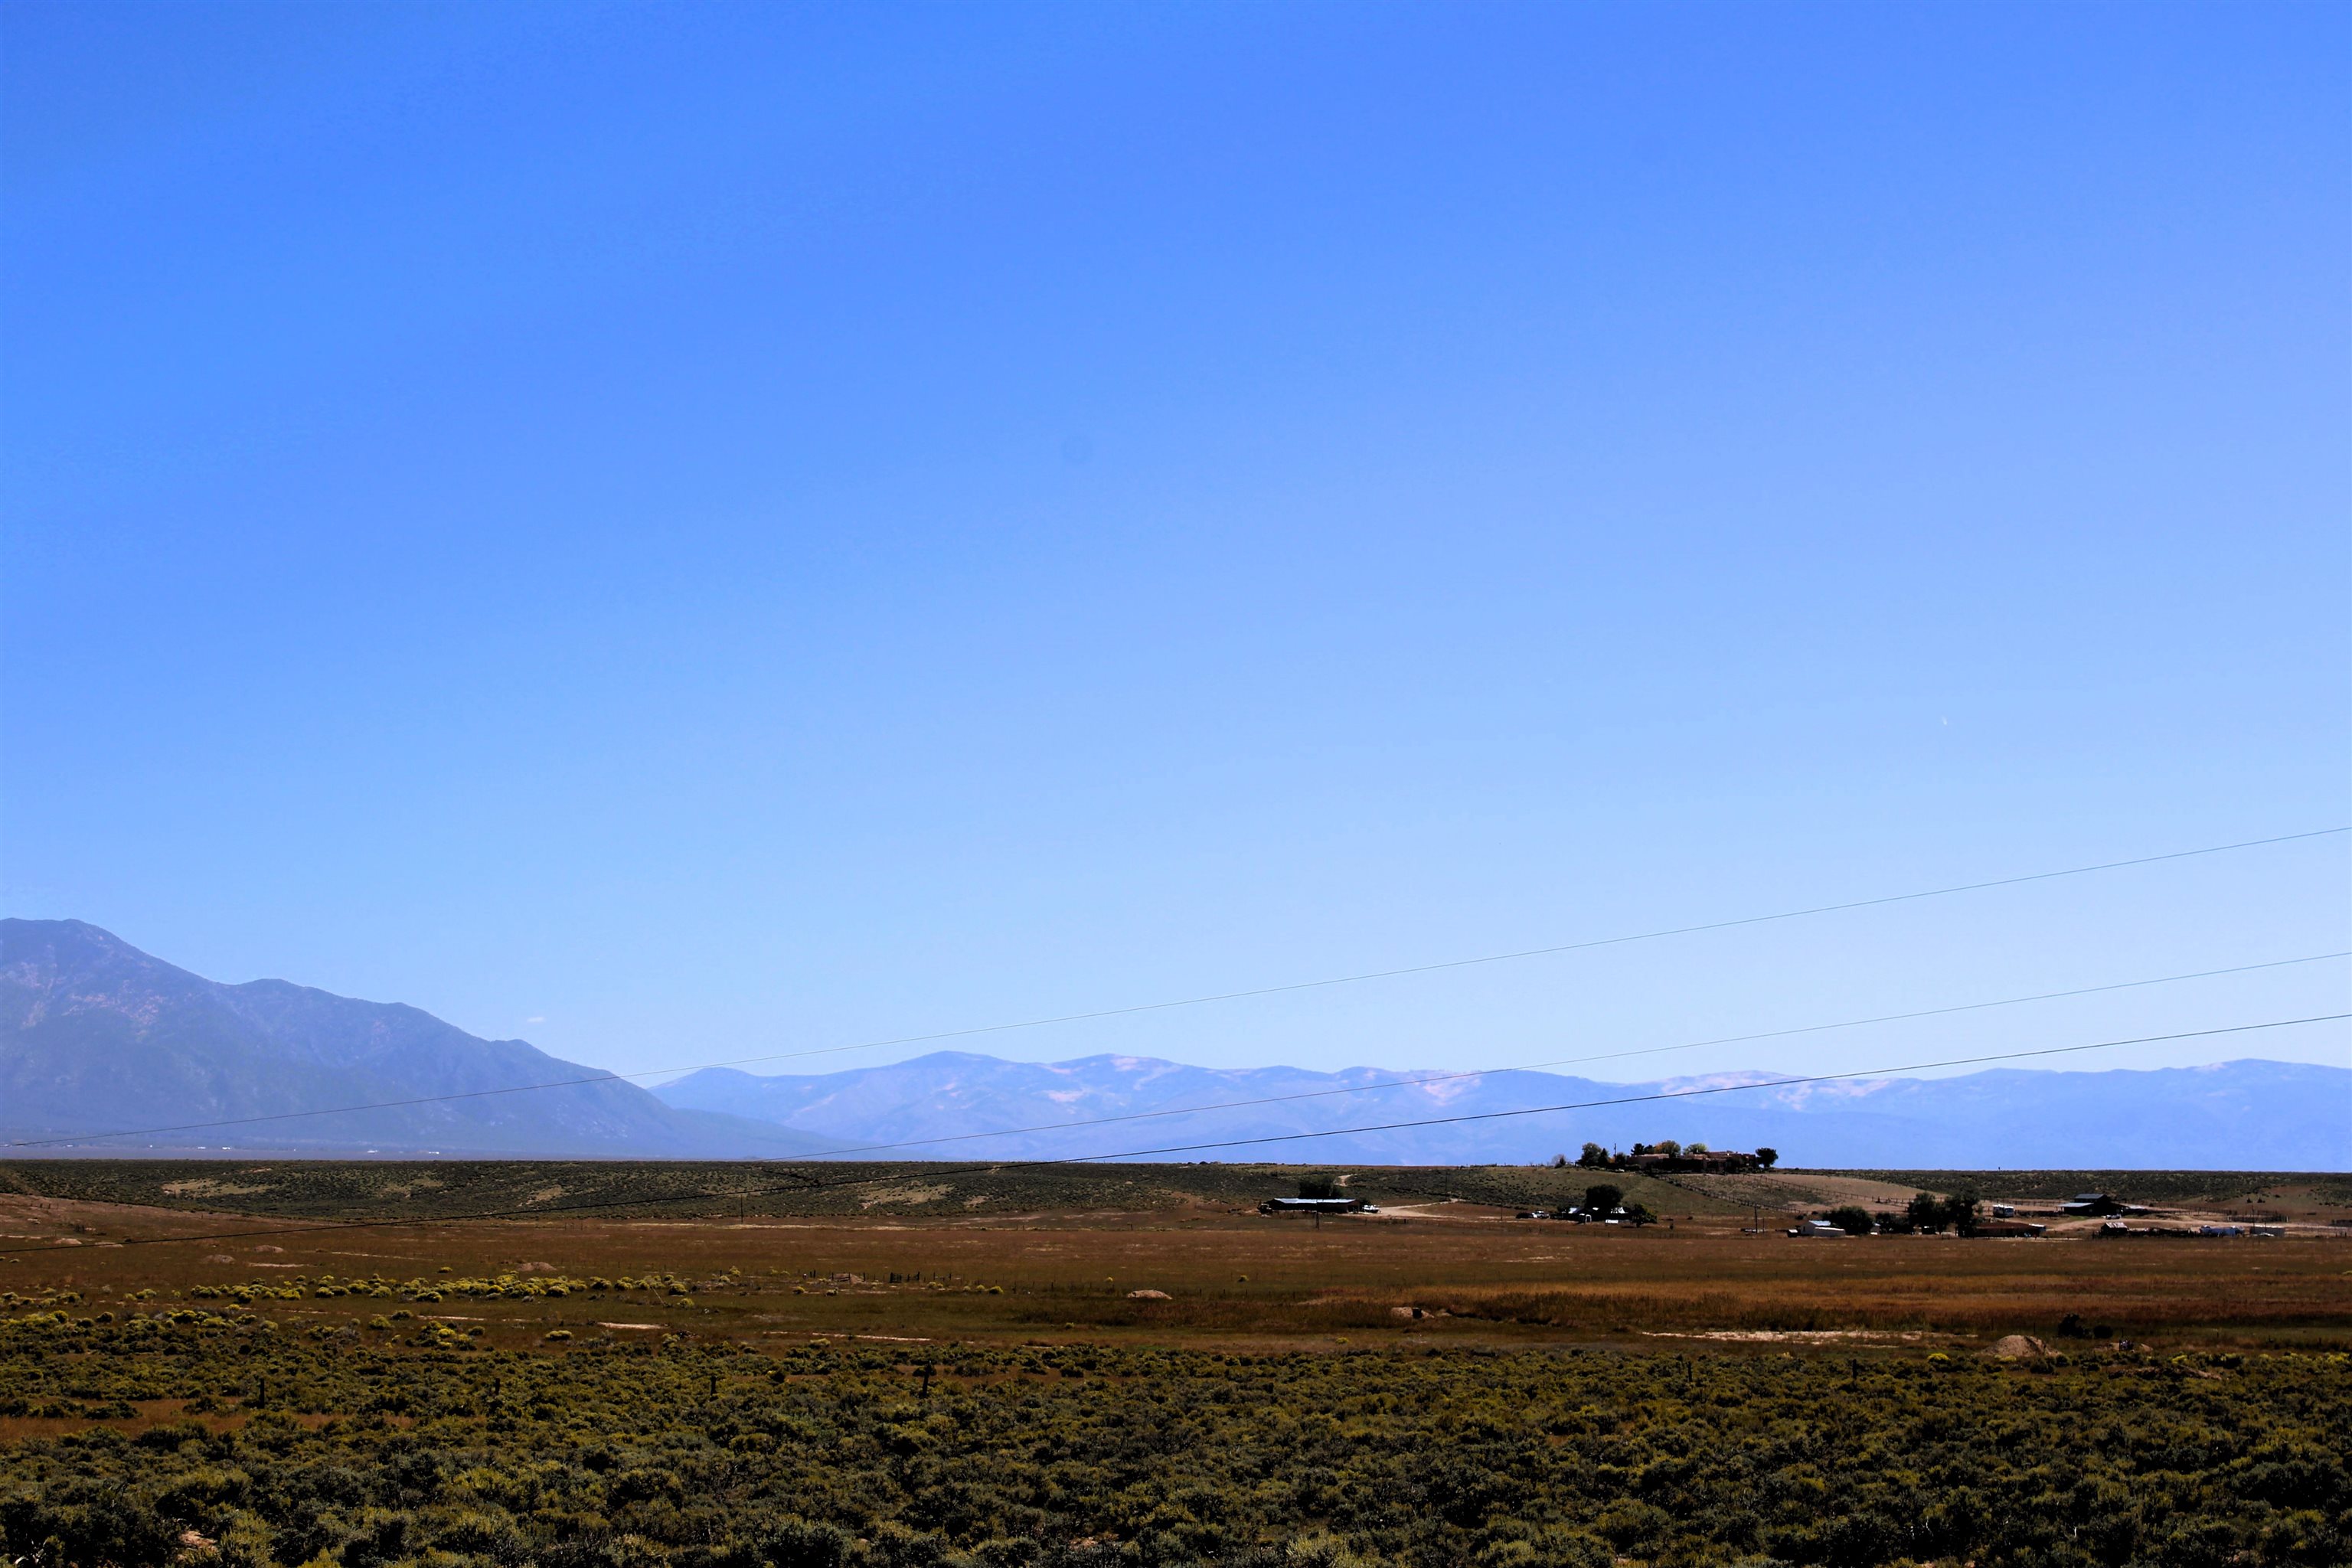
1010, 1250
363, 1189
2319, 1190
285, 1362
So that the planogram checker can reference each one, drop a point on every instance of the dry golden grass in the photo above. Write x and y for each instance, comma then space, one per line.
1474, 1274
969, 1385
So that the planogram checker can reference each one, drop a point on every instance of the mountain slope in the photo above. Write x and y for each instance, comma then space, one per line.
2237, 1115
96, 1035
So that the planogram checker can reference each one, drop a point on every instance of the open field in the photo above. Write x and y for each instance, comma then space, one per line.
425, 1189
347, 1190
730, 1382
942, 1251
1271, 1280
2207, 1189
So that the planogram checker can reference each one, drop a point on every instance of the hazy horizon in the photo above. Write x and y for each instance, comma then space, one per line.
678, 533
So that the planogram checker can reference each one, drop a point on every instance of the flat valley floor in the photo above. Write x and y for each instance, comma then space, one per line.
264, 1361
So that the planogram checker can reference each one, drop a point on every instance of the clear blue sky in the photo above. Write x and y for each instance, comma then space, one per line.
674, 531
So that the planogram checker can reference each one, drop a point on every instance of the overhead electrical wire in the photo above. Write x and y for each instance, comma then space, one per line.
1587, 945
810, 1185
1557, 1062
1406, 1082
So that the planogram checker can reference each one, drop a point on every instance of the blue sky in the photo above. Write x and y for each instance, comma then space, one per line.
677, 531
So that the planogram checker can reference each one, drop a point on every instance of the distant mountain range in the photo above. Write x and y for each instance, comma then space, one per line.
96, 1035
2238, 1115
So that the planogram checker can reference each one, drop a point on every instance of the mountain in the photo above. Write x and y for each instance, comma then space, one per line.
2234, 1116
96, 1035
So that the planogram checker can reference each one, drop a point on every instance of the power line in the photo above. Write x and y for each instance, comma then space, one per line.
1585, 945
1564, 1061
1703, 1090
811, 1183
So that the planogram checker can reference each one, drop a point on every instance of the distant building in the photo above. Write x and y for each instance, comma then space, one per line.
2219, 1230
2008, 1227
1816, 1227
1316, 1205
2093, 1205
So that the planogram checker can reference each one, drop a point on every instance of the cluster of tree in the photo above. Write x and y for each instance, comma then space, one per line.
1597, 1158
1605, 1201
1929, 1215
1925, 1214
1958, 1213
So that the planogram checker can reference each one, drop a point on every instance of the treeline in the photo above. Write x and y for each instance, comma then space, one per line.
1926, 1214
1669, 1154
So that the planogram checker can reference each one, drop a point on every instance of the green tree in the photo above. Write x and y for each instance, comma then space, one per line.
1667, 1147
1767, 1158
1602, 1197
1594, 1158
1319, 1186
1926, 1213
1962, 1210
1638, 1214
1850, 1218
